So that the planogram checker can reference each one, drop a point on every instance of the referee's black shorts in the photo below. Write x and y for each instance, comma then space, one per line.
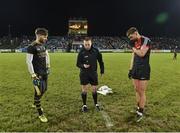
141, 72
88, 78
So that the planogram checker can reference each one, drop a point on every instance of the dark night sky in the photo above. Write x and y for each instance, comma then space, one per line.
105, 17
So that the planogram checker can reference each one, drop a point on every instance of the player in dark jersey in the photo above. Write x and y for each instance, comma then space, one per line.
39, 65
87, 62
140, 68
175, 54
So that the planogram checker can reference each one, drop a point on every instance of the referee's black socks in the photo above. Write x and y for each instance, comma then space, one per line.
84, 97
94, 94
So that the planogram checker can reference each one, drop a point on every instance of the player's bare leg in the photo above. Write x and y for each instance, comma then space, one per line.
142, 89
136, 86
143, 86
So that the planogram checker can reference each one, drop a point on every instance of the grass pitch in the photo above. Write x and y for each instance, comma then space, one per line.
62, 101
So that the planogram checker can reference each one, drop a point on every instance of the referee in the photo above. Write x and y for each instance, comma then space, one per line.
87, 62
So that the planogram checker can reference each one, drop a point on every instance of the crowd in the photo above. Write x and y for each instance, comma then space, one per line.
165, 43
101, 42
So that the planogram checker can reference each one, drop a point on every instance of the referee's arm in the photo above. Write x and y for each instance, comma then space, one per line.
79, 61
101, 63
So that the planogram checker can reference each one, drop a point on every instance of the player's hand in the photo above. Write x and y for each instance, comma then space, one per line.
86, 66
130, 74
35, 80
48, 70
36, 83
34, 76
133, 49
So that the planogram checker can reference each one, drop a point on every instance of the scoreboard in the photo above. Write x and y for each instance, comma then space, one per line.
78, 27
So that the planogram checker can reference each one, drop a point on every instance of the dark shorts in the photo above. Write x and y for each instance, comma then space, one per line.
43, 82
141, 72
88, 78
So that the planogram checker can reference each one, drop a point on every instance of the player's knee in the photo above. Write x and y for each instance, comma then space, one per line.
142, 89
45, 89
84, 89
136, 89
94, 88
142, 94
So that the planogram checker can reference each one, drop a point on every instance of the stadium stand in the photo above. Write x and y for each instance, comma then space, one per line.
101, 42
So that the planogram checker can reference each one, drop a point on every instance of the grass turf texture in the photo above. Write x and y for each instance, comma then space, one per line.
62, 101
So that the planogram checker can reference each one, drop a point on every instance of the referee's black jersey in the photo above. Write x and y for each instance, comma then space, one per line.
90, 57
142, 42
39, 58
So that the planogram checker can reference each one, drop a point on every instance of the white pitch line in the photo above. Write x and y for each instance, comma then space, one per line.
106, 117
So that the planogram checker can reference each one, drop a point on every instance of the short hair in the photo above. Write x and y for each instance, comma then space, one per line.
41, 31
131, 31
87, 39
